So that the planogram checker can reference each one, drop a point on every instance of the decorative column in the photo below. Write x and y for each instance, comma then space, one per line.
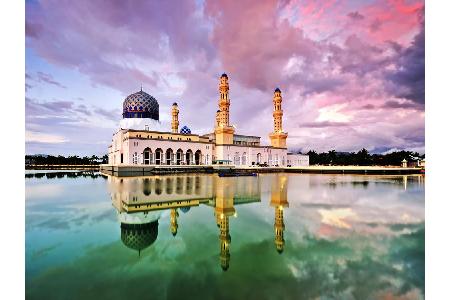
175, 112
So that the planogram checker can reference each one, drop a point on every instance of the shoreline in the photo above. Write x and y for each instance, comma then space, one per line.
133, 170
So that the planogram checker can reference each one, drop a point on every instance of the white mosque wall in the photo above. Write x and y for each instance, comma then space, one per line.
298, 160
247, 156
131, 151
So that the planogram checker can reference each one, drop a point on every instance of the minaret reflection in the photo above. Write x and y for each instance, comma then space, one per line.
173, 221
224, 208
278, 200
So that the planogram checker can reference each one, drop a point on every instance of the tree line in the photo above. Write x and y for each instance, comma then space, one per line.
361, 158
63, 160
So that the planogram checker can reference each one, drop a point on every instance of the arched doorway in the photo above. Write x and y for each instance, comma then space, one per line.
169, 154
198, 157
244, 159
258, 158
179, 156
147, 156
159, 156
189, 156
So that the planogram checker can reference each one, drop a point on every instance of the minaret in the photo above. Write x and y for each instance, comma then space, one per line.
173, 221
224, 208
224, 101
279, 200
175, 122
224, 132
278, 137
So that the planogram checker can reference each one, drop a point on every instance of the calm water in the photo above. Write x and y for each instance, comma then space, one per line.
275, 236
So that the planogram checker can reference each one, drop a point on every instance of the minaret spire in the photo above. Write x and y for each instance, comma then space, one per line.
224, 132
278, 137
224, 101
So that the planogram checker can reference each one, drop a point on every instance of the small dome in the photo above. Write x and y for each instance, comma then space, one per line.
140, 105
185, 130
139, 236
224, 75
175, 104
277, 90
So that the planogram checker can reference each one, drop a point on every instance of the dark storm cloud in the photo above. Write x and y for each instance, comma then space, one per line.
410, 74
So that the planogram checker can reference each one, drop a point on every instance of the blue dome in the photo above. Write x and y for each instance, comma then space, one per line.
185, 130
141, 105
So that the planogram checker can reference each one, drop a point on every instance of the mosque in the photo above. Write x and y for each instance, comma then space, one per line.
141, 140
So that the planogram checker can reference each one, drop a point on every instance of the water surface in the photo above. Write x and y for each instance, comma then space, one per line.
274, 236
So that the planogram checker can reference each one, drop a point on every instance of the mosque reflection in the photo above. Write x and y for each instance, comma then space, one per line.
141, 201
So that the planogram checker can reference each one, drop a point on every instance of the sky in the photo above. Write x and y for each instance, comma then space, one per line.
352, 73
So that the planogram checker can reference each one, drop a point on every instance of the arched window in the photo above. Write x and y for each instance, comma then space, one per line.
179, 156
198, 157
169, 156
159, 156
258, 158
147, 156
244, 159
189, 157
